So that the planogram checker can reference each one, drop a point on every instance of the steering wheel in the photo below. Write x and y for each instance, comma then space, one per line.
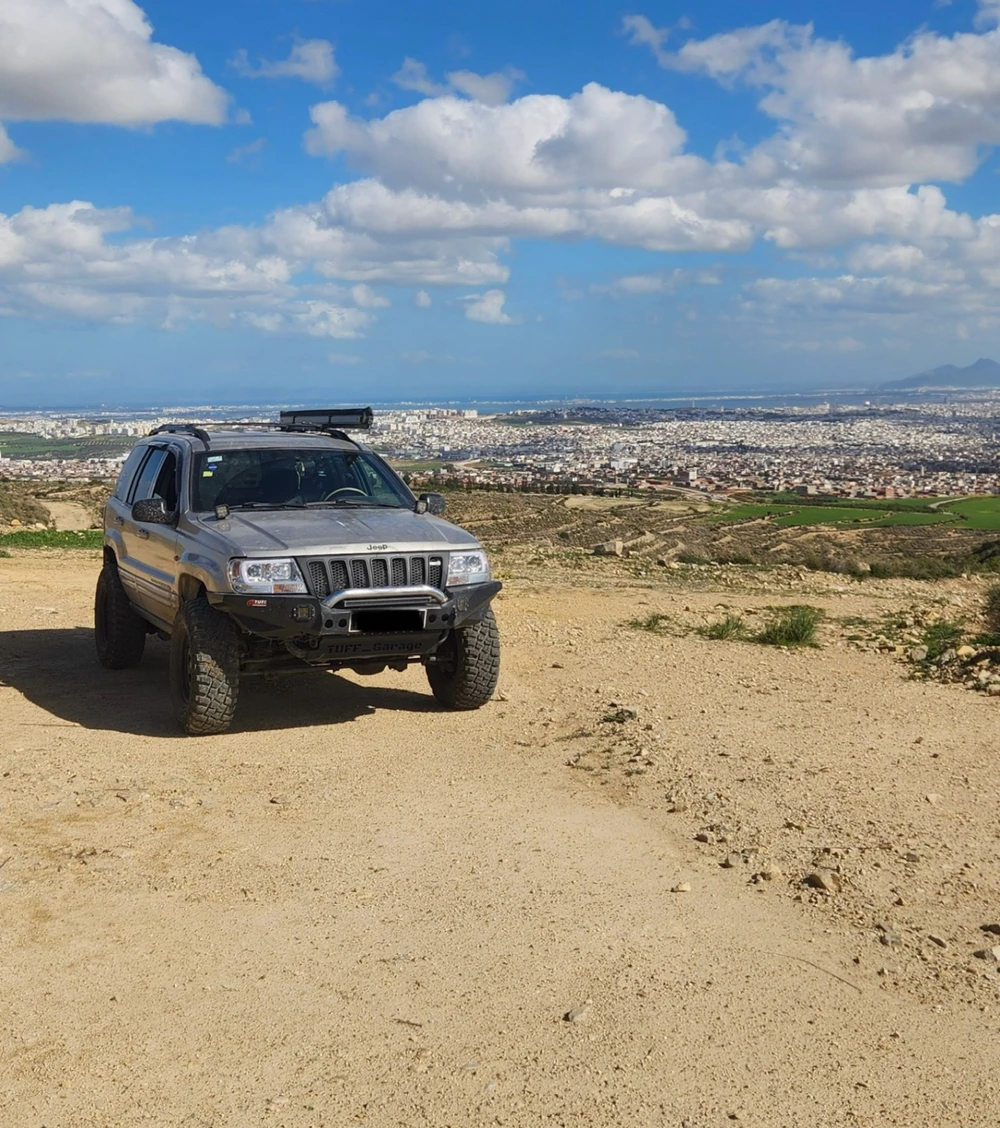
344, 489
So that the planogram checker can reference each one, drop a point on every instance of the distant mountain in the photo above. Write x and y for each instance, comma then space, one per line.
984, 373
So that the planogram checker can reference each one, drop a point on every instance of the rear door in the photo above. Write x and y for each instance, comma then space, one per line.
149, 561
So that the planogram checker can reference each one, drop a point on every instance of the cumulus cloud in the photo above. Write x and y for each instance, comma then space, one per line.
96, 61
919, 113
488, 308
8, 150
422, 300
490, 89
311, 60
80, 261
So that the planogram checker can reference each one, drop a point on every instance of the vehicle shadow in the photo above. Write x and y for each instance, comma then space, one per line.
58, 671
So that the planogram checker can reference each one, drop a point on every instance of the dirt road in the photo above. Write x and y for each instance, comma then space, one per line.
357, 908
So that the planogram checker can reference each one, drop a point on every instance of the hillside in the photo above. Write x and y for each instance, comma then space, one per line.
983, 373
629, 891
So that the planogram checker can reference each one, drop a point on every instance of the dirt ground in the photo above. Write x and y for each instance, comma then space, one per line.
359, 909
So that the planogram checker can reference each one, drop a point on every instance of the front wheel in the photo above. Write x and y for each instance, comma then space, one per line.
204, 669
468, 665
119, 633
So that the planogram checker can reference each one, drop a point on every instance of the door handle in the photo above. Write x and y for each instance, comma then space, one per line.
119, 520
144, 533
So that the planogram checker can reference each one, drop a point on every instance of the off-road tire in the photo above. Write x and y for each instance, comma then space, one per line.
204, 669
466, 675
119, 633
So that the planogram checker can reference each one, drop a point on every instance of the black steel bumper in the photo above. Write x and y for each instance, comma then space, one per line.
373, 621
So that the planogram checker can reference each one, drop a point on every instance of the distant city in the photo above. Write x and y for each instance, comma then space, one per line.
937, 446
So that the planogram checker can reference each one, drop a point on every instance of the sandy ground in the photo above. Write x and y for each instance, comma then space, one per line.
357, 908
69, 516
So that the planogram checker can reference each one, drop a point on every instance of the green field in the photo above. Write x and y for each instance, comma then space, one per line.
34, 446
788, 511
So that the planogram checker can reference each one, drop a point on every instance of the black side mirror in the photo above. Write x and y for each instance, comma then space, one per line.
152, 511
432, 503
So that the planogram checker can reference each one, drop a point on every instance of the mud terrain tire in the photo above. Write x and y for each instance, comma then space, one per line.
119, 633
204, 669
466, 676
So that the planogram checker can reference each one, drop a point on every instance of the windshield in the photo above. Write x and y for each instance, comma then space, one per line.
275, 478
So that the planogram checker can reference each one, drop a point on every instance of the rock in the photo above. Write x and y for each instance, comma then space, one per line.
966, 651
993, 690
948, 656
610, 548
992, 954
580, 1013
682, 887
939, 940
890, 939
825, 879
732, 861
704, 836
919, 654
15, 523
619, 716
992, 928
679, 806
934, 799
770, 873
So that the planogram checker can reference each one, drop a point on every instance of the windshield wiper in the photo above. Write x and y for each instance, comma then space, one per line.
267, 505
350, 503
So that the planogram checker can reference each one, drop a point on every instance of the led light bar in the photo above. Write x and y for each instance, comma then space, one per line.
327, 419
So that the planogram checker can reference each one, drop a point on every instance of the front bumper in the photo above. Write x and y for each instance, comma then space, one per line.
362, 621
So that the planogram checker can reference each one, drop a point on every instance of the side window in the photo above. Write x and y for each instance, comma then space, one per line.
166, 482
128, 471
148, 475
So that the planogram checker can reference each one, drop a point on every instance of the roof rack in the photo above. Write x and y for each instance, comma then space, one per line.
183, 429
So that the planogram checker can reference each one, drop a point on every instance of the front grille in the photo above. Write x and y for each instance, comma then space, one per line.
319, 578
327, 575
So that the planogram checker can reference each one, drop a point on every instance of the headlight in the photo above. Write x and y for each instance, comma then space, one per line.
267, 577
467, 568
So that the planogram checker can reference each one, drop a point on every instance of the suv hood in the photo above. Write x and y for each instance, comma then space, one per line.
330, 532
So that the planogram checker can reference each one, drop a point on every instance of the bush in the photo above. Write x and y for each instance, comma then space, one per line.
991, 609
939, 637
729, 627
791, 626
656, 623
4, 554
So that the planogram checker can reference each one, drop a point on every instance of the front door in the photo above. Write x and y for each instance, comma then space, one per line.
149, 564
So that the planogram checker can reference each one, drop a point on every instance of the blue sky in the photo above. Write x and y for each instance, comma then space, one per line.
365, 199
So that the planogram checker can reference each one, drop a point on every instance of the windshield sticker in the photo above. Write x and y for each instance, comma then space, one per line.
214, 458
207, 473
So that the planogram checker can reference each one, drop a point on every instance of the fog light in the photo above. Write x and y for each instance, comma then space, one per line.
303, 612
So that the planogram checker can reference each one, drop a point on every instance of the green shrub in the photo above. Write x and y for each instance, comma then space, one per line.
939, 637
728, 627
4, 554
656, 623
991, 609
791, 626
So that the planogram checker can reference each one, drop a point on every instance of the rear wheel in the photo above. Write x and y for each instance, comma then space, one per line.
204, 669
465, 674
119, 633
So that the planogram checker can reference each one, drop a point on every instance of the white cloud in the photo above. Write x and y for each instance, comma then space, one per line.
248, 152
8, 150
490, 89
366, 298
488, 308
95, 61
988, 14
422, 300
643, 33
919, 113
311, 60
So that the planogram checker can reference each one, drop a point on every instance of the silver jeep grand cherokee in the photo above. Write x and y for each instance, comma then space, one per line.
264, 547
